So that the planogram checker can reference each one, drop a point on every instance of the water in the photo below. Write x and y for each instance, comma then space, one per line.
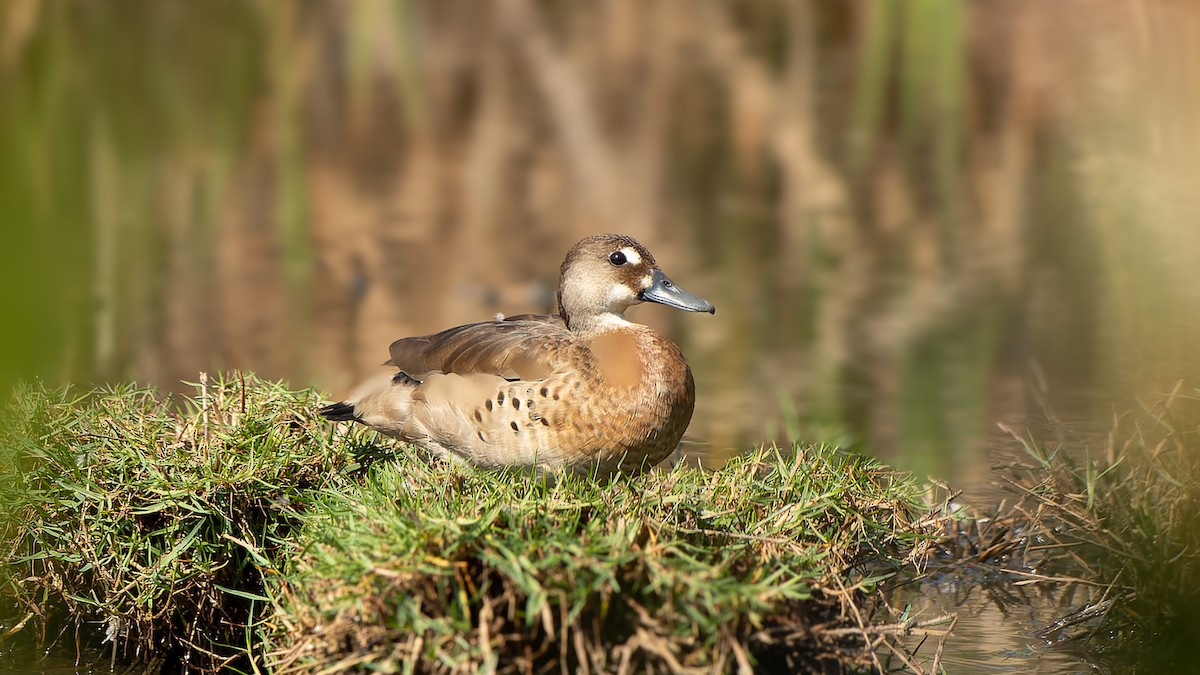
25, 652
996, 619
1005, 608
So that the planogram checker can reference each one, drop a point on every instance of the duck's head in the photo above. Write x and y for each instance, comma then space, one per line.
606, 274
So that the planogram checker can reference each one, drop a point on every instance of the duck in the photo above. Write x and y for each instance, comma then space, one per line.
584, 391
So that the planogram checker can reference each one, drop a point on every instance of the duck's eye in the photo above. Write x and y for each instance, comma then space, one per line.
617, 258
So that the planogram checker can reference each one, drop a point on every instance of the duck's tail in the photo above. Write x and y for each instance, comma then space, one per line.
343, 411
383, 402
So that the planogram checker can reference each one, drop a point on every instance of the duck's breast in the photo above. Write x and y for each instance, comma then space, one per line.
642, 395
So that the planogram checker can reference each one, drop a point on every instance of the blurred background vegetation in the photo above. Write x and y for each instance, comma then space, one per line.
916, 218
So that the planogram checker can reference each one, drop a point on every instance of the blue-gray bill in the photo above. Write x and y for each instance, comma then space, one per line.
664, 291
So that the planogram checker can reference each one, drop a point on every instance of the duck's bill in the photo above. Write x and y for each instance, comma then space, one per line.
664, 291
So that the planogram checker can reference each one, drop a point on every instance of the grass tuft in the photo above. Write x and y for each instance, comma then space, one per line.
152, 520
1119, 532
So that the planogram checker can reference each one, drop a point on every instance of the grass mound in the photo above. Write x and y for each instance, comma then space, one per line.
235, 530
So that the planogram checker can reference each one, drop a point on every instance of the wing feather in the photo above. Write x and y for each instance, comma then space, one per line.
524, 347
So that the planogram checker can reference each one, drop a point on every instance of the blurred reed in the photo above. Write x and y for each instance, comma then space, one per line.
898, 207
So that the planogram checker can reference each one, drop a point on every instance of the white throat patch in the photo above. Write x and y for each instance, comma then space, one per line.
612, 320
620, 295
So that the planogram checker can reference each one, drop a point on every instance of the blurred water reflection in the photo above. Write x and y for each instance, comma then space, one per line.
905, 211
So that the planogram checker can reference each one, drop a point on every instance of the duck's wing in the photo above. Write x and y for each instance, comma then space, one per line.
525, 347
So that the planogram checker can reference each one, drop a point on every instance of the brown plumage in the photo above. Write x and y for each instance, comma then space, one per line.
586, 390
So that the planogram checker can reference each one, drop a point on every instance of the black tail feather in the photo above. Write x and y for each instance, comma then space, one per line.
339, 412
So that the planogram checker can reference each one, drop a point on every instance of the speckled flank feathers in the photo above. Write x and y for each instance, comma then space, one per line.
583, 391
